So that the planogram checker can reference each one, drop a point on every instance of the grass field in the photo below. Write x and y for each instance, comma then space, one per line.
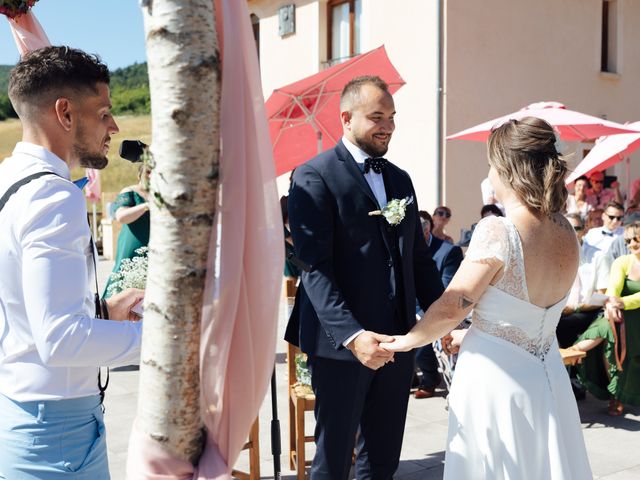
119, 173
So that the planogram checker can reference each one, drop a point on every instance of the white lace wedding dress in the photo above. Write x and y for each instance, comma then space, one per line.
512, 412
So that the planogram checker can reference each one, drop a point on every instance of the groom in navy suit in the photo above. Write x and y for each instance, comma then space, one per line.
364, 274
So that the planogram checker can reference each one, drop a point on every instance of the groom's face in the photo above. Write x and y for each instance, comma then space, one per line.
370, 123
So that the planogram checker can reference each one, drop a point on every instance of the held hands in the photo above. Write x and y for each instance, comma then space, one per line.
120, 304
366, 347
398, 343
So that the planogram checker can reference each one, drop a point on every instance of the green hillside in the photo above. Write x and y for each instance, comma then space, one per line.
129, 91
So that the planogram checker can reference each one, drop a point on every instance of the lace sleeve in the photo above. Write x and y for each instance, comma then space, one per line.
490, 241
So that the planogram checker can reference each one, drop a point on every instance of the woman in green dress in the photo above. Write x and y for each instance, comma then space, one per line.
132, 210
611, 369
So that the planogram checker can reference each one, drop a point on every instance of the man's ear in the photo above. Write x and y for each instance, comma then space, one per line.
345, 117
63, 112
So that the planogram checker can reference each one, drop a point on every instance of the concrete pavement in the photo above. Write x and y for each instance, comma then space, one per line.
613, 444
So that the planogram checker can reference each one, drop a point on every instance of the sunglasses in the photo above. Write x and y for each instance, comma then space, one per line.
596, 181
578, 228
614, 217
629, 240
443, 213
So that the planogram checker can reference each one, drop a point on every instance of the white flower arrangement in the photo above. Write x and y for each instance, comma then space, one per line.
395, 210
132, 273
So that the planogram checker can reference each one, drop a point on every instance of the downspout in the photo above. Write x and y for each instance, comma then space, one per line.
440, 104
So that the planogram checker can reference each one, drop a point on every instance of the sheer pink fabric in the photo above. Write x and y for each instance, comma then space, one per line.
93, 190
241, 304
28, 33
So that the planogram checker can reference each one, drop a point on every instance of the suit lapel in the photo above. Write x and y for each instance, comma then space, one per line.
354, 171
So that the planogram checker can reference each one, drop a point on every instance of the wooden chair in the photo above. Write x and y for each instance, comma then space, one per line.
253, 445
301, 400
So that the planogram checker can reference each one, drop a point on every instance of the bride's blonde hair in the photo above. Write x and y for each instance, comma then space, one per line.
524, 155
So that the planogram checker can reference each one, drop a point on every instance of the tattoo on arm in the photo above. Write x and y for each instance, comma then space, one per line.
465, 302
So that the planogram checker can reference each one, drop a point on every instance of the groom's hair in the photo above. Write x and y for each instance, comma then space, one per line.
350, 95
44, 75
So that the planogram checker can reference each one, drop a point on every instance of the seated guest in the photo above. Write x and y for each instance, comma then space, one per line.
598, 196
578, 314
612, 367
448, 258
577, 202
441, 217
599, 239
594, 219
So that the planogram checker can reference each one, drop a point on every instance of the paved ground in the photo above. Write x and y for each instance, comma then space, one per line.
612, 443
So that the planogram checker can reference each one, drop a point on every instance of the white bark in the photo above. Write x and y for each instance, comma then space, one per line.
184, 74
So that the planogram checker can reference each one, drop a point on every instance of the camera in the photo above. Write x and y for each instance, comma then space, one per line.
133, 150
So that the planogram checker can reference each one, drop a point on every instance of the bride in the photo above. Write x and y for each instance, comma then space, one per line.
512, 412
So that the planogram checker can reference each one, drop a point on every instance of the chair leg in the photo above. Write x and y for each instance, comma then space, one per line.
292, 433
300, 433
254, 451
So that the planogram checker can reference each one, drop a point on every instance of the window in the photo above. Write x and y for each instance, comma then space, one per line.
609, 51
344, 29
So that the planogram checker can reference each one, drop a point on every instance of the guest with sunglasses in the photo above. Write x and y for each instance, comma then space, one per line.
441, 217
598, 196
611, 369
598, 240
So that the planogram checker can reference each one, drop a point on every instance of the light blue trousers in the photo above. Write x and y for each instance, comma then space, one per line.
50, 440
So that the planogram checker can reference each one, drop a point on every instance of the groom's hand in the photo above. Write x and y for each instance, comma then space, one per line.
366, 348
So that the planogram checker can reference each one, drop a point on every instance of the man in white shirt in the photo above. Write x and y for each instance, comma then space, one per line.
51, 343
599, 239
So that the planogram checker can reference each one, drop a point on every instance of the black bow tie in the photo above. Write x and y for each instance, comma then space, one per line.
375, 164
608, 234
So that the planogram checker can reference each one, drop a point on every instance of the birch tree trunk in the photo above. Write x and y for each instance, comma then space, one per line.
184, 76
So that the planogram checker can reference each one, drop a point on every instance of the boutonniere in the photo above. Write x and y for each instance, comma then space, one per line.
394, 211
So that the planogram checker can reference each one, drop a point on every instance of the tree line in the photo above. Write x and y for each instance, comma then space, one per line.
129, 91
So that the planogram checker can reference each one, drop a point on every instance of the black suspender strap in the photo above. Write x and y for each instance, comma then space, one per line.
14, 188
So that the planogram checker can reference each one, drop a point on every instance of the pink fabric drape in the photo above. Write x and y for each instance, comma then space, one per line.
241, 304
28, 33
93, 190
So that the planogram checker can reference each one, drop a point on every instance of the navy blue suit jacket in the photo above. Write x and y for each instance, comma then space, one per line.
448, 258
351, 283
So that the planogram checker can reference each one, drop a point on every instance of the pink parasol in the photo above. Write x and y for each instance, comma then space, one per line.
607, 152
304, 116
572, 125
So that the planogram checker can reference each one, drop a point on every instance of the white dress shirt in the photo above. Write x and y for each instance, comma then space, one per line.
51, 344
376, 182
597, 240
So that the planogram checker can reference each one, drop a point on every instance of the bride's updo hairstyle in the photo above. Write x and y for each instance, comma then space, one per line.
524, 155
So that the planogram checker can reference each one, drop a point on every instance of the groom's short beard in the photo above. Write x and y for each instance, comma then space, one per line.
371, 149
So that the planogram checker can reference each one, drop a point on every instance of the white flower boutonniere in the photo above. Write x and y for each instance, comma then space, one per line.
394, 210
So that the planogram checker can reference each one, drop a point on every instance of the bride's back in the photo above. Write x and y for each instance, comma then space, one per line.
551, 256
528, 173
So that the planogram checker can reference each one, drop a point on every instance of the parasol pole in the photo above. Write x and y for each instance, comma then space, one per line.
95, 219
319, 135
628, 159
